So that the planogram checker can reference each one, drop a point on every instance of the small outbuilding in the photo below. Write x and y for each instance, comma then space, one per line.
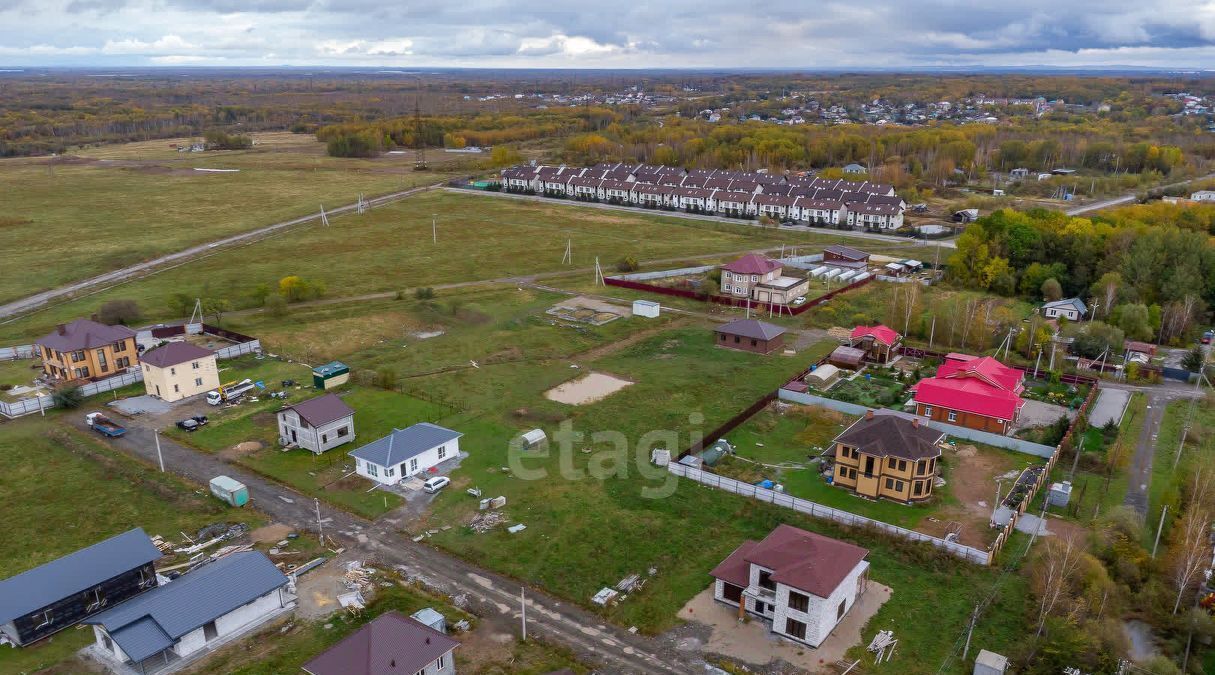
751, 335
849, 358
646, 308
823, 376
178, 370
880, 343
330, 375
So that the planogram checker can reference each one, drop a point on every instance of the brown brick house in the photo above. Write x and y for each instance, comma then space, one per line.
750, 335
85, 349
888, 455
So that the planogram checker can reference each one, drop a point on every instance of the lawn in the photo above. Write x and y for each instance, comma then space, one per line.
1198, 452
17, 372
275, 651
121, 493
142, 200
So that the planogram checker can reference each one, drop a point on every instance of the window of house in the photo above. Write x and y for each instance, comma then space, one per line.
210, 632
198, 381
439, 663
124, 362
727, 288
898, 486
889, 483
324, 438
372, 469
839, 611
918, 488
902, 465
101, 362
176, 388
722, 336
442, 451
737, 339
754, 343
795, 629
344, 431
172, 371
390, 472
953, 416
765, 580
799, 601
754, 278
77, 356
195, 365
105, 640
928, 410
731, 592
413, 465
120, 346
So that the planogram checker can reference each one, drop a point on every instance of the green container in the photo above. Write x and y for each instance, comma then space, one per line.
230, 490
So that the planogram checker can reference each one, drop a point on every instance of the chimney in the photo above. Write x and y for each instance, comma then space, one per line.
868, 414
61, 329
915, 422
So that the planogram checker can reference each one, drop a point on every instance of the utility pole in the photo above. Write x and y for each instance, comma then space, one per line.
1159, 527
320, 529
434, 227
974, 616
159, 458
523, 613
933, 331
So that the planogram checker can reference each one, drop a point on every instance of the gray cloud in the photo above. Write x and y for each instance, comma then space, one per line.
579, 33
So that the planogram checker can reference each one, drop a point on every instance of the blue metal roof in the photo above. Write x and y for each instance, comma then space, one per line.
74, 573
153, 621
402, 444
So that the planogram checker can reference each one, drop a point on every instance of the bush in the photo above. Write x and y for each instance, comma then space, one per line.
119, 311
220, 140
426, 293
386, 378
67, 397
628, 264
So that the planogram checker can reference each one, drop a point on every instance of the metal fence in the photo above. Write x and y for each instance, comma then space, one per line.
816, 510
758, 307
17, 352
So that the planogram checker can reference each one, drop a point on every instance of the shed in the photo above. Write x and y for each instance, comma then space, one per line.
646, 308
847, 357
990, 663
533, 438
332, 374
819, 271
823, 376
230, 490
431, 618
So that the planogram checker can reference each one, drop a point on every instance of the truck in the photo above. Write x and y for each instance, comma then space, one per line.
230, 392
104, 425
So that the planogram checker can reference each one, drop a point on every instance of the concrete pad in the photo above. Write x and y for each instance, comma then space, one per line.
753, 642
142, 405
1110, 405
1039, 414
586, 389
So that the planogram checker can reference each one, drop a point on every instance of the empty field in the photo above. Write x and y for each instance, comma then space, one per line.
71, 217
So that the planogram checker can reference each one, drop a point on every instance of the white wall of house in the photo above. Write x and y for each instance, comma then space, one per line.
181, 380
294, 429
1066, 312
444, 665
391, 475
232, 622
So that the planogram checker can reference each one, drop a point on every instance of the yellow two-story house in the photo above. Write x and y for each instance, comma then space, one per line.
888, 455
85, 349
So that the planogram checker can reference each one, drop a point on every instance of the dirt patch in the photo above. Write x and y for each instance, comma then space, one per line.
349, 483
587, 389
241, 449
972, 480
271, 534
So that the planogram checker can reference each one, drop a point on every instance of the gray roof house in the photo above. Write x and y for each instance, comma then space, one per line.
318, 424
61, 593
1072, 309
406, 452
193, 613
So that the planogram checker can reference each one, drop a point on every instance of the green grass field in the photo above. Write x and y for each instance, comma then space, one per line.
44, 520
1170, 471
142, 200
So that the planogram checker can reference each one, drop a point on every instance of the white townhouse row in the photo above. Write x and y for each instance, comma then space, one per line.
807, 200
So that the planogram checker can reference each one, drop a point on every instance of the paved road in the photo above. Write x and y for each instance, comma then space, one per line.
946, 243
102, 281
488, 594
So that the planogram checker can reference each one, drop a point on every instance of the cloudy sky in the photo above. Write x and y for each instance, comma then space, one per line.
802, 34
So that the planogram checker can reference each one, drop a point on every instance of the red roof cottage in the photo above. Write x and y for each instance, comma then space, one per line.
974, 392
879, 342
800, 583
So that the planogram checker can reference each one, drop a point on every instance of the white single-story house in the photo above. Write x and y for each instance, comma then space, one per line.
406, 452
318, 424
800, 583
192, 613
1072, 309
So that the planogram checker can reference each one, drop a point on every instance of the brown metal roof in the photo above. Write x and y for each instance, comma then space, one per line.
750, 328
84, 334
321, 410
806, 561
390, 644
174, 353
889, 434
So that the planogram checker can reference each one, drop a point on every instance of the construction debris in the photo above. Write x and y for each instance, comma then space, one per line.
352, 601
162, 545
630, 583
517, 528
604, 596
486, 521
882, 646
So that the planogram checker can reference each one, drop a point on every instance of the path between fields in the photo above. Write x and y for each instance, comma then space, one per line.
947, 243
39, 300
1140, 476
493, 597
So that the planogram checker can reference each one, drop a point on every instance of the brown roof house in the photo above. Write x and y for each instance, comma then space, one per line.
179, 370
761, 279
390, 644
85, 349
318, 424
801, 583
888, 454
837, 255
750, 335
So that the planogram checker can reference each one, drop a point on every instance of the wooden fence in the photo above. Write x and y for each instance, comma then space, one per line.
816, 510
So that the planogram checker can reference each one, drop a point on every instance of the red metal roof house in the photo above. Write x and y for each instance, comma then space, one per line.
879, 342
974, 392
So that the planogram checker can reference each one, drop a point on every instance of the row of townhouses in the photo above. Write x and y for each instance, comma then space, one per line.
786, 197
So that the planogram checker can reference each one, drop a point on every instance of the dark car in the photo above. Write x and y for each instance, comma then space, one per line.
187, 425
201, 419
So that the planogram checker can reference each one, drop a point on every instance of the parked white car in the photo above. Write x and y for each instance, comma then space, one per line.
433, 485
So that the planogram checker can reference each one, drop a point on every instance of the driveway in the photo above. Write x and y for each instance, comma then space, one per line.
1109, 406
1039, 414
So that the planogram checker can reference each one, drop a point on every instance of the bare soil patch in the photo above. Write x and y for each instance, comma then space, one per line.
589, 388
240, 450
972, 480
270, 534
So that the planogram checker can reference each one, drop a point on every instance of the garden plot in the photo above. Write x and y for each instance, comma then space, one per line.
589, 388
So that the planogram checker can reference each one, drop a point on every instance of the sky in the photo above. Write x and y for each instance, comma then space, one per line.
794, 34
